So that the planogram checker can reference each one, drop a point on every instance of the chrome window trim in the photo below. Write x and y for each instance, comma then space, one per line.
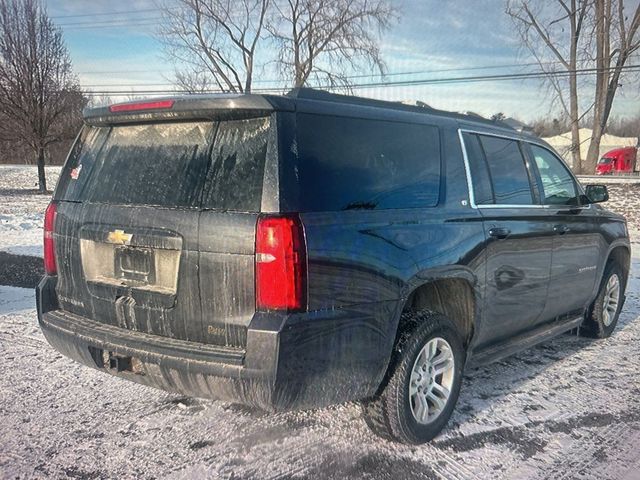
467, 168
500, 135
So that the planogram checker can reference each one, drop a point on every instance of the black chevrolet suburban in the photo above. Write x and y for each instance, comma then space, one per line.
297, 251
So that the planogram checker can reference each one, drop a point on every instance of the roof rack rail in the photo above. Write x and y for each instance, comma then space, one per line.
307, 93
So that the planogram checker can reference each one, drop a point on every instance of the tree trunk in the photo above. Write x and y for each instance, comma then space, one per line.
573, 91
575, 119
600, 122
605, 84
299, 74
42, 179
575, 144
249, 78
594, 150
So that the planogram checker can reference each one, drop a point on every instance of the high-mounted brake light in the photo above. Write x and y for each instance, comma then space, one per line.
132, 107
281, 264
49, 245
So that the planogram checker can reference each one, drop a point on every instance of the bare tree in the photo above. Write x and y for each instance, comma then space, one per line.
624, 126
616, 39
100, 100
192, 81
219, 37
38, 90
553, 33
323, 40
549, 127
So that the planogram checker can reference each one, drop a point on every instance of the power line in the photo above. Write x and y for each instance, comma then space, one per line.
115, 26
118, 12
117, 22
108, 22
99, 14
369, 75
512, 76
400, 83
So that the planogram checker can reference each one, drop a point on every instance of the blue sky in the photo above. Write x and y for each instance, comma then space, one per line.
436, 38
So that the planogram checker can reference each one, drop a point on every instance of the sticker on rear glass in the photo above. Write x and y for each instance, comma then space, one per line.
75, 173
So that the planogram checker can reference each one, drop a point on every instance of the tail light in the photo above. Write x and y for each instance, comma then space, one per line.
281, 264
49, 246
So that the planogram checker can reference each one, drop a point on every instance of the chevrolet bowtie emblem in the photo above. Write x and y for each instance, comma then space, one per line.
118, 236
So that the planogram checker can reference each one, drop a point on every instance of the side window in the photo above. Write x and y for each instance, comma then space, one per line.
508, 172
481, 180
557, 183
351, 163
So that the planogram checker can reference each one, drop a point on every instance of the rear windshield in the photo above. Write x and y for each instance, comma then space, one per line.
169, 164
350, 163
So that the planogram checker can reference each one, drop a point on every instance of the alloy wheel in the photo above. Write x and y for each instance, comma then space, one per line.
431, 380
611, 300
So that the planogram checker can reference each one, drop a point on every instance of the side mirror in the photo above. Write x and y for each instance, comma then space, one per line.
597, 193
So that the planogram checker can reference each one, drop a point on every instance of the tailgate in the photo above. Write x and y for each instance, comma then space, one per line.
130, 267
156, 227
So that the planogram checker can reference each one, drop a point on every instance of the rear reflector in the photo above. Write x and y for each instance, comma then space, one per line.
49, 245
132, 107
281, 264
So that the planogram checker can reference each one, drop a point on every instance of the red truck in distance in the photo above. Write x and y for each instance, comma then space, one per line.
619, 160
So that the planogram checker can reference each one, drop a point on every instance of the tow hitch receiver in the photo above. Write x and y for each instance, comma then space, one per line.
118, 363
115, 362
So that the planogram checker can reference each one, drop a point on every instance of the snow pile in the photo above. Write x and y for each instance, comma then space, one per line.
562, 143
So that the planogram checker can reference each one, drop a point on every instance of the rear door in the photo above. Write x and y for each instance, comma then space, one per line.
518, 237
576, 242
127, 228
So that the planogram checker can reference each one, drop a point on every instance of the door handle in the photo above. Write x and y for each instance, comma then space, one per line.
499, 232
561, 229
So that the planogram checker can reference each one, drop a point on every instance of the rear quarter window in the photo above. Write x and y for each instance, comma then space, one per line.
350, 163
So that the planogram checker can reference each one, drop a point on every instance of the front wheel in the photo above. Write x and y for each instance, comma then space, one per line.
603, 315
423, 381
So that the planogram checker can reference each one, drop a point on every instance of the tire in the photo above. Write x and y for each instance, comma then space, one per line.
397, 412
602, 317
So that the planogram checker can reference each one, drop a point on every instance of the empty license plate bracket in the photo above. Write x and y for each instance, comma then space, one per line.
134, 265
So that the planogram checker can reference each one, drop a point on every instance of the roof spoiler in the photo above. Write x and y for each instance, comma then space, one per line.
186, 107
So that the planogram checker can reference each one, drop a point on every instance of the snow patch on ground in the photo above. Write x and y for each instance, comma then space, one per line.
566, 409
16, 300
21, 209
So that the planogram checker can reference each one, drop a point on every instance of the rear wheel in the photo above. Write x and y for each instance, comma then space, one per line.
603, 314
423, 381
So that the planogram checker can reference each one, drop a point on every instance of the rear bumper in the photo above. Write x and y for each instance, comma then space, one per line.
291, 361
